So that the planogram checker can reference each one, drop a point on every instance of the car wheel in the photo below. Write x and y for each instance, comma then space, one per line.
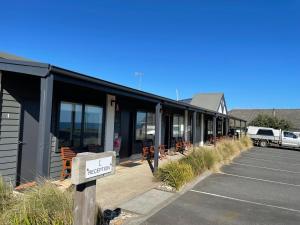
263, 144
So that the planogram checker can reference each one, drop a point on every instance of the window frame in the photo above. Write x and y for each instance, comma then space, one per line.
83, 105
180, 134
265, 134
146, 125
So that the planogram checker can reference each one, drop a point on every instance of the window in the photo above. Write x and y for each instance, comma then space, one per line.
78, 131
178, 126
145, 126
70, 124
265, 132
92, 125
289, 135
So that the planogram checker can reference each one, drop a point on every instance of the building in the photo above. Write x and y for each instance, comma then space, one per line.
292, 115
45, 107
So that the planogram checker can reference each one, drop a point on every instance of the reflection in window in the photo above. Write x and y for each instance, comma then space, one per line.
70, 124
150, 125
75, 132
92, 125
178, 126
145, 126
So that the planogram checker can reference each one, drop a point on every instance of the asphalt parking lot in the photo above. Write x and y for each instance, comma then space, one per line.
262, 186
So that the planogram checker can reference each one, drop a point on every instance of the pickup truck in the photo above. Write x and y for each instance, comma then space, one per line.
265, 136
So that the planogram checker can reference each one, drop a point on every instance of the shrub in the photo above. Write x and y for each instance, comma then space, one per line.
175, 174
44, 204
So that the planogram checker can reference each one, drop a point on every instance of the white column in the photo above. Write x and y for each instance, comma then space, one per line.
109, 123
186, 120
202, 130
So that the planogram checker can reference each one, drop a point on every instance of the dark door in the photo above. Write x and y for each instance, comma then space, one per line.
167, 122
126, 134
28, 141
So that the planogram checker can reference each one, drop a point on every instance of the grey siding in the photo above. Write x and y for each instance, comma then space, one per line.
55, 162
9, 136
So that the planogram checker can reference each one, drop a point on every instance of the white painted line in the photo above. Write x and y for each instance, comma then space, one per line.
267, 168
267, 160
269, 156
246, 201
258, 179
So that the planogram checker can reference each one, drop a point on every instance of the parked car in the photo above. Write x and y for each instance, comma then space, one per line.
265, 136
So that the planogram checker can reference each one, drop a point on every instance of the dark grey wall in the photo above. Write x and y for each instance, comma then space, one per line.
9, 137
55, 161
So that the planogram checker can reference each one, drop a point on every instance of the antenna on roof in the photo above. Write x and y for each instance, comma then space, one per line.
177, 94
140, 77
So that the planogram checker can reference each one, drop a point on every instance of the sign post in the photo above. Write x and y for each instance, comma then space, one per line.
86, 169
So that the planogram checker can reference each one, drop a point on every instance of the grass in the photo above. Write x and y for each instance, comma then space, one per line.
6, 195
43, 204
176, 174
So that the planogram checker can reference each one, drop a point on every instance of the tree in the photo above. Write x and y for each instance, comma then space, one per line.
264, 120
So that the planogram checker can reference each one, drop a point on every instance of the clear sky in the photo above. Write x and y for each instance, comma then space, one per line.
250, 50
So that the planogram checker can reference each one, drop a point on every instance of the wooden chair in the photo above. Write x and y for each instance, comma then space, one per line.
145, 153
67, 154
180, 147
162, 151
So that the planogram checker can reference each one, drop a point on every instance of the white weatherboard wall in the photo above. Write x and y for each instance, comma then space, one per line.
109, 123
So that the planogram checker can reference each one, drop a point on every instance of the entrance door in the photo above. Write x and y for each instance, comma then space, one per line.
167, 123
28, 141
126, 134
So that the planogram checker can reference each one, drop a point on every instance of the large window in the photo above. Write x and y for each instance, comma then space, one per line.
178, 126
92, 125
70, 124
80, 125
145, 126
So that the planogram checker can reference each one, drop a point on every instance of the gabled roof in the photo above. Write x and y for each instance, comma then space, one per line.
211, 101
292, 115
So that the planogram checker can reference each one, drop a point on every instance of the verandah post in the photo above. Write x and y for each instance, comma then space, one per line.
194, 127
43, 146
157, 135
215, 129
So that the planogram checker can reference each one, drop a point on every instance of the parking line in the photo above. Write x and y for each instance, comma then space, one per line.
267, 168
266, 160
246, 201
258, 179
269, 156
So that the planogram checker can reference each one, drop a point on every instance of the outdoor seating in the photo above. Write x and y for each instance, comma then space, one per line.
146, 153
180, 147
67, 154
162, 151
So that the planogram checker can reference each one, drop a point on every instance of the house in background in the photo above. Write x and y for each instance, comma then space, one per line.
292, 115
45, 107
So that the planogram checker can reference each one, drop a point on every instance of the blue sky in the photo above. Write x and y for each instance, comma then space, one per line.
250, 50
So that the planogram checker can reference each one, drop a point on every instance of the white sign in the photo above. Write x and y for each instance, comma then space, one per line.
97, 167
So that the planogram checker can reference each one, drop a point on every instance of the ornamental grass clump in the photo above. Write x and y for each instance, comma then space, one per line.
6, 196
176, 174
43, 204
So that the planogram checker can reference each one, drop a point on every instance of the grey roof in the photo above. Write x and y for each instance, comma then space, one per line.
5, 55
292, 115
9, 62
209, 101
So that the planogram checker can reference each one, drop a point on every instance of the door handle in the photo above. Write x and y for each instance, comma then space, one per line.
21, 143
